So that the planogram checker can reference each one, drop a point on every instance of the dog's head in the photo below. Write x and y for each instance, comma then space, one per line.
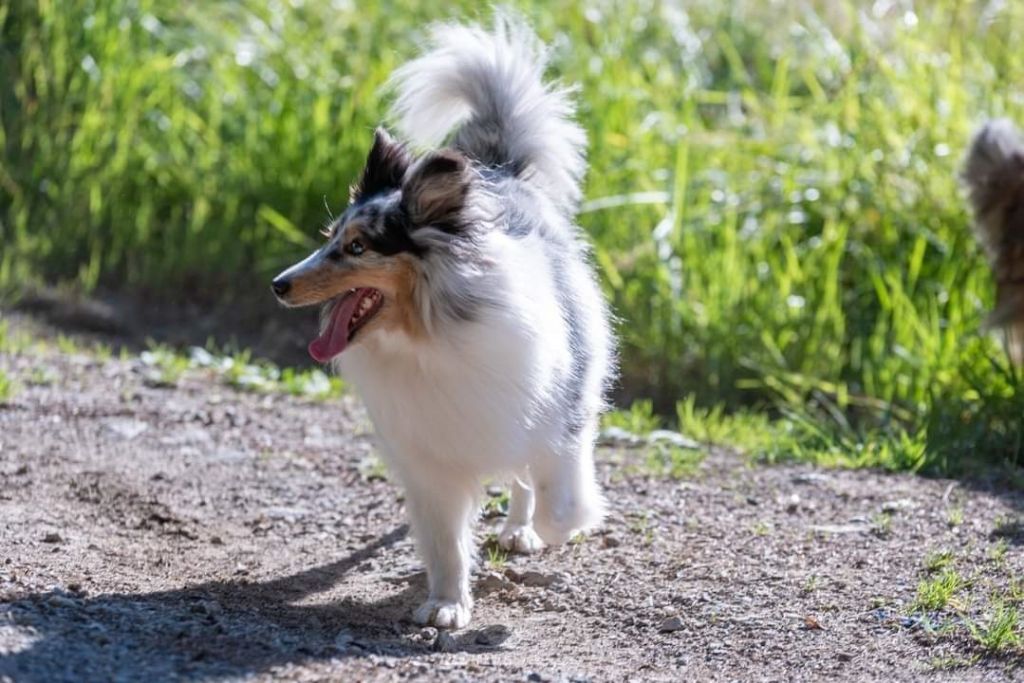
367, 272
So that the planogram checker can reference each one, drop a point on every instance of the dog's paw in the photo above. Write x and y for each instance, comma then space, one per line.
520, 539
442, 614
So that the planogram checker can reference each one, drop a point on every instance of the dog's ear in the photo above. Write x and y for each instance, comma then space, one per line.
435, 189
386, 165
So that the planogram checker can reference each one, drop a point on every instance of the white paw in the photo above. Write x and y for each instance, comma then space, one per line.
442, 613
520, 539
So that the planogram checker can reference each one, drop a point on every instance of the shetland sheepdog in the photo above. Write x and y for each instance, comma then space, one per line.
459, 299
994, 174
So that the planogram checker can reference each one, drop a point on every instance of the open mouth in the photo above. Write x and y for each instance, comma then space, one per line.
347, 315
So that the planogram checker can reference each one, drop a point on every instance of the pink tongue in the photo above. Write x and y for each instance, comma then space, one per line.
334, 338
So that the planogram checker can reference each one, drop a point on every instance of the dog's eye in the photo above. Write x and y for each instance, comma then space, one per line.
355, 247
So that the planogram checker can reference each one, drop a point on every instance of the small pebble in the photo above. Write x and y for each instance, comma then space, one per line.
672, 624
52, 537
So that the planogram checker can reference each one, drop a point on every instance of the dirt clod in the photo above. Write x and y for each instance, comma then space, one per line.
672, 624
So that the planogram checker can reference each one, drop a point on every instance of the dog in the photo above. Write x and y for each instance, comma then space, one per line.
459, 299
994, 175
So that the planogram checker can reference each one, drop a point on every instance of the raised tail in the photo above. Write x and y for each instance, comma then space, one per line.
489, 86
994, 174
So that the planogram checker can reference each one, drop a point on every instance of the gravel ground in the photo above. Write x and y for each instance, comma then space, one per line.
193, 532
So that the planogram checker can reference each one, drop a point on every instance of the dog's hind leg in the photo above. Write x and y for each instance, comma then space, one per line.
517, 534
441, 512
568, 497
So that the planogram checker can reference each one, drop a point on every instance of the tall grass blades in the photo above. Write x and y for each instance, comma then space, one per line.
773, 191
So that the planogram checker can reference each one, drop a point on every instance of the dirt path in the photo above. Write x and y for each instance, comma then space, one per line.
196, 532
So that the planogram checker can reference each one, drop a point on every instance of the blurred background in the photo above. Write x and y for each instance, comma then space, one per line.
773, 194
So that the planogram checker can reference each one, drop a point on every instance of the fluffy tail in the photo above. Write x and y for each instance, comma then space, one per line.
994, 174
489, 84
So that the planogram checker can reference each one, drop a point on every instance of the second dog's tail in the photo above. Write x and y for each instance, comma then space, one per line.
489, 84
994, 173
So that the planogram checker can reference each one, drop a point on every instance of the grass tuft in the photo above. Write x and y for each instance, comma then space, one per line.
7, 387
938, 592
1000, 631
938, 560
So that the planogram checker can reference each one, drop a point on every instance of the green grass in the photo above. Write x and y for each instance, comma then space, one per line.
497, 557
938, 560
7, 387
773, 191
238, 369
938, 592
1000, 631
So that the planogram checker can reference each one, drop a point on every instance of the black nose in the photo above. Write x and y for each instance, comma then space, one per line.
281, 286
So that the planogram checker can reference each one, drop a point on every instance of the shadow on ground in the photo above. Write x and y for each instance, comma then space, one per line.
212, 629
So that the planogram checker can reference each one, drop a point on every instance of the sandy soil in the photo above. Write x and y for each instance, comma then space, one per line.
198, 533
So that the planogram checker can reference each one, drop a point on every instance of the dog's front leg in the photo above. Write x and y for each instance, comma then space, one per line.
441, 512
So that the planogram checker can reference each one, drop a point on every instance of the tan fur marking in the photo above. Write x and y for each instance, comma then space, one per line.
394, 276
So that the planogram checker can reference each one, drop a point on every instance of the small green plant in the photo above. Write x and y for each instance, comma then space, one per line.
881, 525
950, 662
497, 557
666, 460
6, 387
165, 365
639, 418
997, 553
497, 506
811, 584
41, 376
761, 528
641, 526
955, 516
314, 383
1000, 631
1010, 528
938, 592
66, 344
938, 560
103, 352
1015, 592
372, 468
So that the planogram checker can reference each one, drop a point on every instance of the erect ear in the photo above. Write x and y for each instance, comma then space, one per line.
386, 165
435, 188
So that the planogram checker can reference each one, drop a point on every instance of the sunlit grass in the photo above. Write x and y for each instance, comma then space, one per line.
773, 192
939, 591
7, 387
1000, 630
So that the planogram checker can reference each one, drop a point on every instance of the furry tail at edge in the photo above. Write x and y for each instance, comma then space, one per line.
992, 172
490, 85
